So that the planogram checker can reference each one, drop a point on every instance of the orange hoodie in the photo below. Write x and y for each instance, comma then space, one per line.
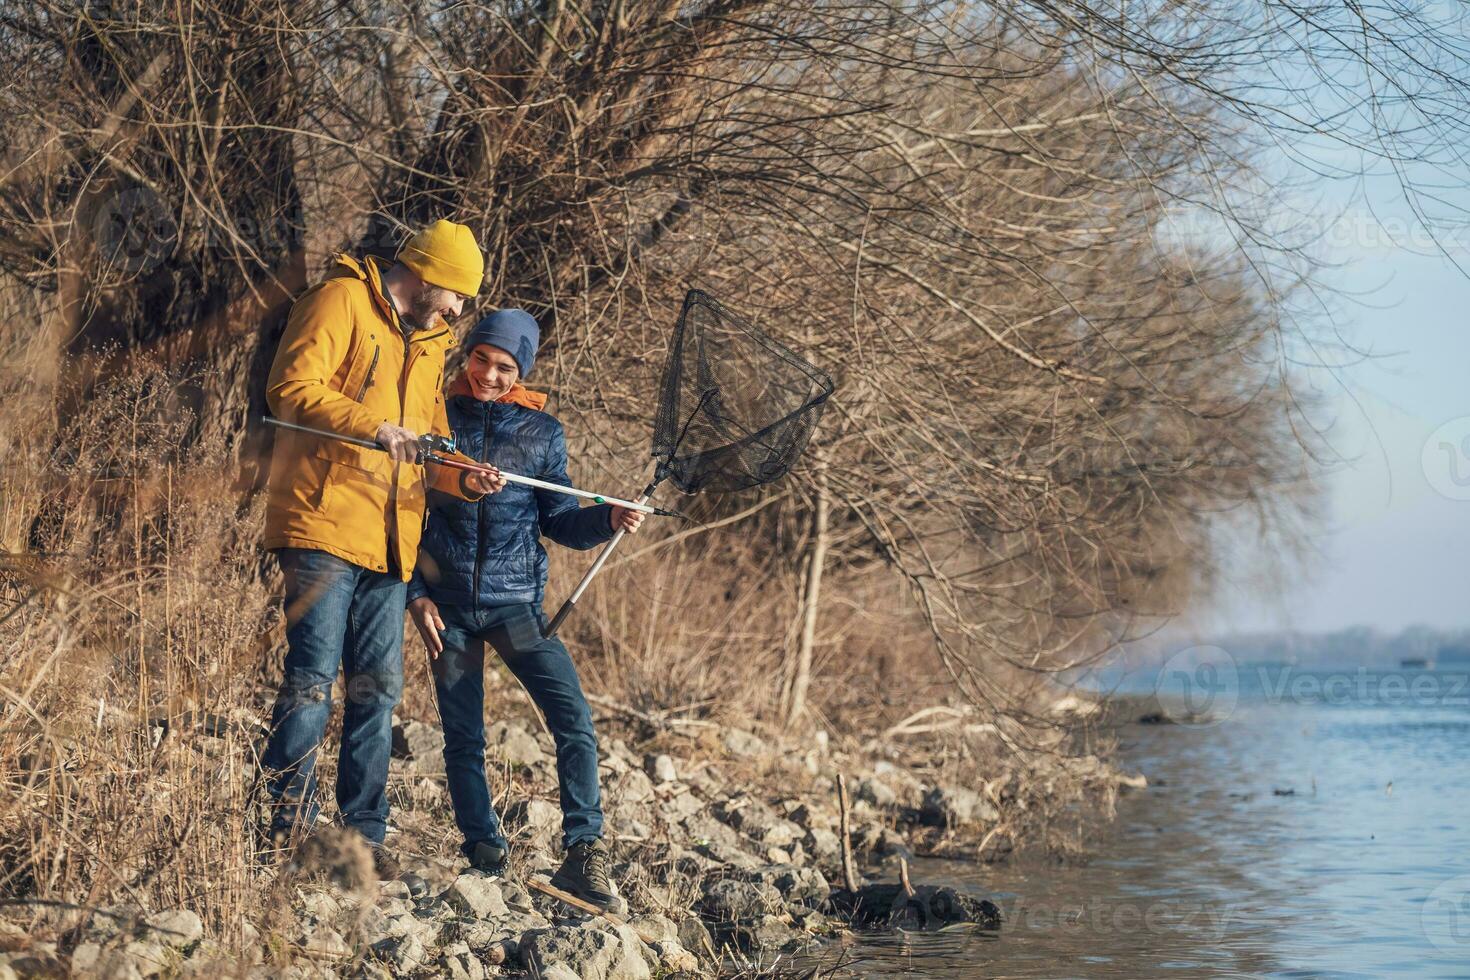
519, 394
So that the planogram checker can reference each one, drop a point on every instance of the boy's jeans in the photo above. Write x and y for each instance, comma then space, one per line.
546, 670
337, 613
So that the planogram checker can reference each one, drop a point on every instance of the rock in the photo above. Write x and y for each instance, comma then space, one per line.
638, 959
114, 964
151, 958
625, 825
823, 843
1136, 781
762, 933
105, 923
678, 808
695, 937
421, 744
590, 954
745, 744
727, 899
633, 786
396, 889
675, 958
702, 828
956, 806
875, 792
656, 926
661, 768
618, 749
810, 816
706, 779
84, 958
517, 899
608, 758
457, 962
542, 818
795, 885
513, 744
930, 907
756, 820
405, 953
499, 941
327, 942
477, 895
1077, 707
322, 907
426, 931
175, 928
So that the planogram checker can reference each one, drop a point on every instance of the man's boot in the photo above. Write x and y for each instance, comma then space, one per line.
587, 874
388, 869
489, 859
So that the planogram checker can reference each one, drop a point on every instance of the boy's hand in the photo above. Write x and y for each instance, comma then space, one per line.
626, 519
491, 482
425, 615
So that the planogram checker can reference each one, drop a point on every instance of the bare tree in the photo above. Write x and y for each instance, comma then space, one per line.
1041, 246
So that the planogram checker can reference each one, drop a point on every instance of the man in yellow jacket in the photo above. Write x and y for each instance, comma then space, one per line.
362, 355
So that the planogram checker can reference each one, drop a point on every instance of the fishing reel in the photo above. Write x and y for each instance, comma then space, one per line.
431, 445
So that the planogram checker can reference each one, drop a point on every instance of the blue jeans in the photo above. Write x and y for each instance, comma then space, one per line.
337, 614
547, 672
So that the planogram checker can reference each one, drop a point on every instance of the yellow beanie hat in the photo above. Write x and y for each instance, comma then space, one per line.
445, 254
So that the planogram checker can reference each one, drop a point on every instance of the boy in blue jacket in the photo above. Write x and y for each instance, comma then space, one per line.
480, 579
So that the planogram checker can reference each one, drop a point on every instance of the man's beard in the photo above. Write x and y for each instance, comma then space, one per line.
421, 310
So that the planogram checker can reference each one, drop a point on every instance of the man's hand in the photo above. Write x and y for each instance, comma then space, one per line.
491, 482
626, 519
402, 444
425, 616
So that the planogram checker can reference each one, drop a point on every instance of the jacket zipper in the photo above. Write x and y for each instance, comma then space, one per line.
372, 369
485, 432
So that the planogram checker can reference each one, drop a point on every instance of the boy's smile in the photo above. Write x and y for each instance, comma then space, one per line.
491, 372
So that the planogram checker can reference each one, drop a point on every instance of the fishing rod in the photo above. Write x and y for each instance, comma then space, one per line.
432, 449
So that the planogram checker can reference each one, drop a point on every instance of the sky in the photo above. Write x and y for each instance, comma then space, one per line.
1393, 548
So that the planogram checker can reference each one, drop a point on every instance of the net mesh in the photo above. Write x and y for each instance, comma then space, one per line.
736, 408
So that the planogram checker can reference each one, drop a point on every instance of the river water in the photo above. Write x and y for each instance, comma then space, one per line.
1312, 824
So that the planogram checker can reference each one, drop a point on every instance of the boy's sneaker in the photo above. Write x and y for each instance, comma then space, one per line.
388, 869
586, 873
489, 859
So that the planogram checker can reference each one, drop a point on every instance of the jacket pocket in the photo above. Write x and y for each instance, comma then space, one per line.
369, 471
367, 380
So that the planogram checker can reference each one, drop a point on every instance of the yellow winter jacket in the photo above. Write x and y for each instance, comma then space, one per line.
345, 365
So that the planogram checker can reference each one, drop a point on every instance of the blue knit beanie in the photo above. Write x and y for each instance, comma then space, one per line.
513, 331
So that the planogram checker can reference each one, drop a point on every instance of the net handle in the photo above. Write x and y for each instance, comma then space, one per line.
571, 601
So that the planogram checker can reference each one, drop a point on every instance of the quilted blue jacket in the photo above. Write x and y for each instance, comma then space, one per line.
489, 552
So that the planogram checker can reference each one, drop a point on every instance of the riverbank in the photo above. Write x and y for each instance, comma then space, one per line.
728, 847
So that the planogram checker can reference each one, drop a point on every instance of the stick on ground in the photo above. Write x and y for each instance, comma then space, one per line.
544, 886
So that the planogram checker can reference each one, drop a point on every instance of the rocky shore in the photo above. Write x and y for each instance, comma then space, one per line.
727, 847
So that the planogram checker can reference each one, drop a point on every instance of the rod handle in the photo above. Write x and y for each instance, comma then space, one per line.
559, 618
